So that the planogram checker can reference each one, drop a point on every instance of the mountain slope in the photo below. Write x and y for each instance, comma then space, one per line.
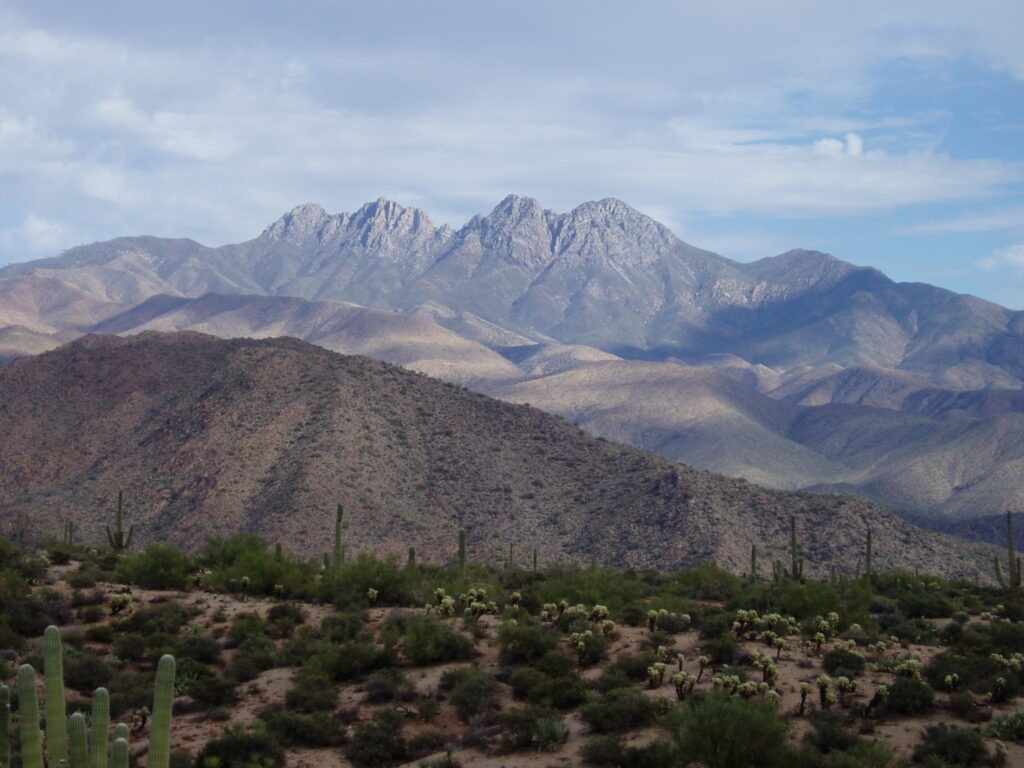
209, 436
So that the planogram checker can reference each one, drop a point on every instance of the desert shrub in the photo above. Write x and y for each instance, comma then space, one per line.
99, 633
423, 743
531, 727
82, 579
247, 556
244, 627
524, 642
973, 672
211, 690
609, 750
1006, 727
130, 647
843, 663
429, 641
197, 646
85, 672
591, 649
346, 586
242, 748
311, 693
925, 604
389, 684
473, 694
341, 663
722, 649
379, 743
725, 731
296, 650
162, 618
909, 630
90, 614
908, 696
829, 733
158, 566
342, 627
129, 689
707, 581
291, 729
619, 710
256, 654
952, 745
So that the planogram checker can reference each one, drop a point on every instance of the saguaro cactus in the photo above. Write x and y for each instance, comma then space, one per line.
116, 538
79, 753
753, 562
28, 712
797, 563
100, 725
5, 725
868, 559
119, 754
160, 732
339, 552
56, 714
462, 554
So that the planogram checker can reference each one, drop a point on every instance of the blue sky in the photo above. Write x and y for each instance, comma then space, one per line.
888, 134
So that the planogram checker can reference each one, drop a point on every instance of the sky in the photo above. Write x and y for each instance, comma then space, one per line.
889, 134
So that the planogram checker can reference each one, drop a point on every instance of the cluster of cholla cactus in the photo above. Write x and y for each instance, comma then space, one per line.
732, 685
475, 603
654, 618
826, 696
120, 602
443, 604
67, 741
684, 683
912, 667
656, 674
769, 670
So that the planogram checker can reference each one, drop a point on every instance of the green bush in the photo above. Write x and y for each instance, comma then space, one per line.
908, 696
531, 727
241, 748
342, 627
524, 642
472, 691
725, 731
843, 663
246, 556
609, 750
342, 663
619, 710
952, 745
1006, 727
211, 690
318, 729
389, 684
158, 566
346, 586
197, 646
379, 743
161, 618
430, 641
244, 627
311, 693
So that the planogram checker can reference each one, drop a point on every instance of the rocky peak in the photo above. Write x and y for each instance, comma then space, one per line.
301, 223
518, 229
611, 229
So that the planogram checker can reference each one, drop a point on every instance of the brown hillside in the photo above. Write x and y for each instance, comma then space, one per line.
208, 436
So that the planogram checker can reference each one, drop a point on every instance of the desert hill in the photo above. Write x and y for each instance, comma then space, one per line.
207, 436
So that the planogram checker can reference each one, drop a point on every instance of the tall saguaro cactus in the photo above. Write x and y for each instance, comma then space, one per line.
116, 538
79, 753
869, 560
56, 713
100, 725
462, 554
160, 733
339, 552
5, 726
797, 563
119, 754
28, 712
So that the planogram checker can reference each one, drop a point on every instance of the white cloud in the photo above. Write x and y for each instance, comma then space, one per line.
854, 144
987, 221
1011, 257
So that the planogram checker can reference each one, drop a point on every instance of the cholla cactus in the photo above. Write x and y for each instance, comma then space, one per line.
446, 607
774, 697
439, 596
951, 681
563, 606
548, 612
652, 620
909, 668
684, 683
819, 638
680, 658
608, 627
246, 582
769, 672
119, 603
703, 662
880, 695
805, 691
824, 683
515, 598
598, 613
371, 595
656, 674
661, 653
1002, 753
746, 690
779, 644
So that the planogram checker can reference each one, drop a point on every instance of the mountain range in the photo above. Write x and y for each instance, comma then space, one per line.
795, 371
208, 437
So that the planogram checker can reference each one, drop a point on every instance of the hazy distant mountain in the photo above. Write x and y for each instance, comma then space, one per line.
207, 436
588, 309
